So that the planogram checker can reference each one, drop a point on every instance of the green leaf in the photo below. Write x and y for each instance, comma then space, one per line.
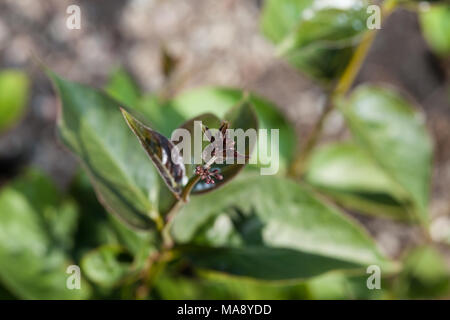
220, 100
279, 17
273, 264
395, 136
107, 265
334, 286
425, 275
205, 285
435, 23
317, 37
162, 152
281, 222
14, 92
161, 115
122, 87
92, 127
97, 228
348, 175
36, 224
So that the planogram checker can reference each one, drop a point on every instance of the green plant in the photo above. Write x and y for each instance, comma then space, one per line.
172, 230
14, 92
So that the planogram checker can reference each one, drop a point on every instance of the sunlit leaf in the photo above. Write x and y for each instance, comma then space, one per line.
92, 126
435, 23
394, 134
349, 176
318, 37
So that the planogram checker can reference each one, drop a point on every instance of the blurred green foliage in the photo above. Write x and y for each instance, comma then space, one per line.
316, 37
435, 24
257, 237
14, 95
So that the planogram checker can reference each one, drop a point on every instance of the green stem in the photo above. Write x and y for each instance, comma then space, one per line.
158, 261
343, 86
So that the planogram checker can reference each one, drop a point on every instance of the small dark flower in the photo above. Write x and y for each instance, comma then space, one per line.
223, 145
207, 175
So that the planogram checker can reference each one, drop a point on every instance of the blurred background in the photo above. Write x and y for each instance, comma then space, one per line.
209, 43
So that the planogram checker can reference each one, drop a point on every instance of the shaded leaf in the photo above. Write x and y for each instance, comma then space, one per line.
207, 285
162, 152
14, 92
97, 228
265, 263
91, 125
395, 136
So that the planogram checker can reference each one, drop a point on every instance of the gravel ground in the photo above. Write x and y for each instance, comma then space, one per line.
217, 43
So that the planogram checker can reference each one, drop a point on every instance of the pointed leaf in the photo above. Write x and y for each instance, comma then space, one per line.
91, 126
162, 152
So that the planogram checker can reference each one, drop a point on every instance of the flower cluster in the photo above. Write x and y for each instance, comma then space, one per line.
221, 148
207, 175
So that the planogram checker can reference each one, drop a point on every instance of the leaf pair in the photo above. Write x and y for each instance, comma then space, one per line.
168, 158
